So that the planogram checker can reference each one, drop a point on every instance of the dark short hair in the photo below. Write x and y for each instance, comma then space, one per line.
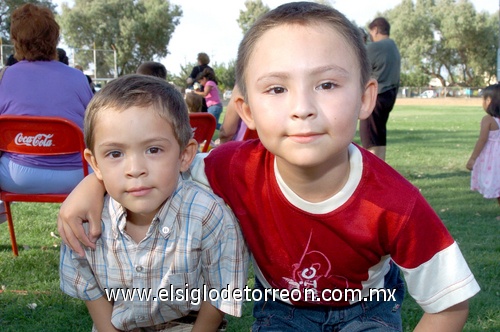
153, 69
61, 54
11, 60
302, 13
382, 26
493, 92
140, 91
35, 33
207, 73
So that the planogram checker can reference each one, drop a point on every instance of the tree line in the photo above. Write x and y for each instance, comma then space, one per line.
444, 39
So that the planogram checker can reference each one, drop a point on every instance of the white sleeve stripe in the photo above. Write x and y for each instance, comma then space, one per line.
441, 282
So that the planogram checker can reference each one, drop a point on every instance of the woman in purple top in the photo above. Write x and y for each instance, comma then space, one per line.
39, 85
210, 92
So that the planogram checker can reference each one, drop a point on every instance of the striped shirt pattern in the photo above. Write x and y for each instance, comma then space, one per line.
194, 239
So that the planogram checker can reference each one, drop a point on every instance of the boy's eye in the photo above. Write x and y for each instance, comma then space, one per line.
114, 154
153, 150
276, 90
326, 86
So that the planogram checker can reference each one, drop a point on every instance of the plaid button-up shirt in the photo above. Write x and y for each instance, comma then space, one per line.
193, 243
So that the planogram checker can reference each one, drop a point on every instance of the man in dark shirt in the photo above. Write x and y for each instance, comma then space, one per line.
386, 66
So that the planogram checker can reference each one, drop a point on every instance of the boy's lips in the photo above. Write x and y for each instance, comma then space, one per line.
139, 191
304, 137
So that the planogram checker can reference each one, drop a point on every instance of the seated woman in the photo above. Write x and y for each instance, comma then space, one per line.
40, 85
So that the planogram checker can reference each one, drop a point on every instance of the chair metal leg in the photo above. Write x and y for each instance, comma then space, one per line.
11, 228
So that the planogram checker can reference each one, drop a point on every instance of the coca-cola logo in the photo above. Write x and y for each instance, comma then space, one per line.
44, 140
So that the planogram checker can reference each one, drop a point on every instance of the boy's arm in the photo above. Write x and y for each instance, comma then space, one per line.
449, 320
83, 204
209, 318
101, 310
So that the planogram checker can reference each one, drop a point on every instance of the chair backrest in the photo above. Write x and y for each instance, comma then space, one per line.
203, 125
36, 135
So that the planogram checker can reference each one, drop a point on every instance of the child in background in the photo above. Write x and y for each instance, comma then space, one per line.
210, 92
319, 213
484, 161
194, 102
152, 68
159, 231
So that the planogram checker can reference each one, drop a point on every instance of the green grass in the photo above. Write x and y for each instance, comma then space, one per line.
428, 145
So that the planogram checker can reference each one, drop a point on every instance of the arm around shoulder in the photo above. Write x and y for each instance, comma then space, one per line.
83, 204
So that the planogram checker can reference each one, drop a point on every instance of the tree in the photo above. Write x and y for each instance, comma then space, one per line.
8, 6
139, 30
446, 39
254, 9
225, 75
414, 79
180, 79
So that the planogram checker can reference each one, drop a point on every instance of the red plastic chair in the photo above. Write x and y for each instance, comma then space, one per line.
44, 136
203, 125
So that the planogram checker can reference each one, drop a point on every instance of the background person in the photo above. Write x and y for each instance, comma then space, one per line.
61, 54
152, 68
194, 102
484, 161
40, 85
210, 93
11, 60
386, 66
232, 128
89, 79
203, 60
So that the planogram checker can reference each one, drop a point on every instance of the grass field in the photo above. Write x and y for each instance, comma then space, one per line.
428, 143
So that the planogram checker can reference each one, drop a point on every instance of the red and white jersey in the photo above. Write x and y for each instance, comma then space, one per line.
345, 242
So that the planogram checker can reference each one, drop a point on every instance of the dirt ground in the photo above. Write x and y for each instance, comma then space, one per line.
449, 101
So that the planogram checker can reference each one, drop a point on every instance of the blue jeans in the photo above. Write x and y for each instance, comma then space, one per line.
33, 180
216, 110
274, 316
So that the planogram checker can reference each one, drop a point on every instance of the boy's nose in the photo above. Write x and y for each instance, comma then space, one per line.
136, 166
303, 105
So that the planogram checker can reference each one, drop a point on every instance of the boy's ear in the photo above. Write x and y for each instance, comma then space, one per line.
368, 99
244, 111
93, 163
188, 154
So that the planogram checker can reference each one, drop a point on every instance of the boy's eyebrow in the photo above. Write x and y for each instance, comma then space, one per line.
119, 145
337, 69
318, 70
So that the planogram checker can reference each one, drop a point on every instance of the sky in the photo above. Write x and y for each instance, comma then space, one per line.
211, 27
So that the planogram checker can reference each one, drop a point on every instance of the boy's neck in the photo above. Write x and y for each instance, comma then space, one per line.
138, 225
317, 185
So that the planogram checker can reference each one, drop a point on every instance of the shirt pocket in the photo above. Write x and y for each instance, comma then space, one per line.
181, 293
